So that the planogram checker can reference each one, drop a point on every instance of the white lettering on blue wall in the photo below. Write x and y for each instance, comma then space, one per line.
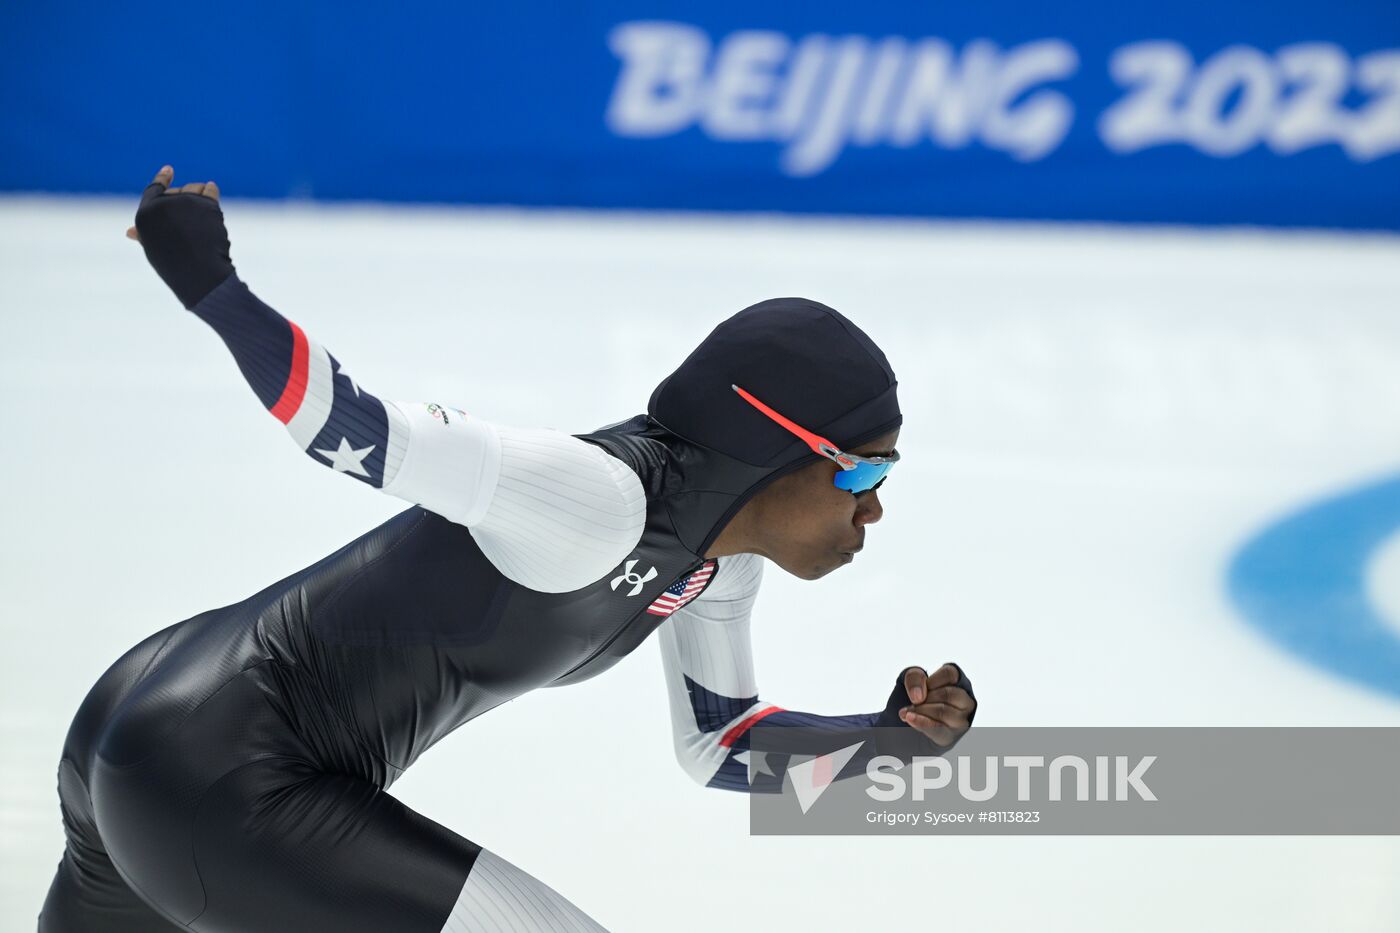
1241, 97
819, 94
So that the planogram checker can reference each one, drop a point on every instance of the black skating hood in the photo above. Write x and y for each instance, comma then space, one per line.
798, 356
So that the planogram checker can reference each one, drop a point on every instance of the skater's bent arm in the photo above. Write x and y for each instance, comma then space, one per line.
713, 696
714, 701
552, 512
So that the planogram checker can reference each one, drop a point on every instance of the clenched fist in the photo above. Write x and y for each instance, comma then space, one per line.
182, 232
938, 706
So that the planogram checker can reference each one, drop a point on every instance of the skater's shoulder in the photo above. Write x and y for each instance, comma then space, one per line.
636, 443
737, 576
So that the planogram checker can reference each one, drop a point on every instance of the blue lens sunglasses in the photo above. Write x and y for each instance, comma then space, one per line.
857, 474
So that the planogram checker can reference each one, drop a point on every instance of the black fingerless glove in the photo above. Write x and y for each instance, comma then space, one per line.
903, 740
185, 242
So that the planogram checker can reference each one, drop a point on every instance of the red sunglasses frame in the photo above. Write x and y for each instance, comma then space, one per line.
816, 442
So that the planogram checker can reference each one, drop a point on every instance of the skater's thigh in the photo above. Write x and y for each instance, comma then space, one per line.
287, 848
88, 894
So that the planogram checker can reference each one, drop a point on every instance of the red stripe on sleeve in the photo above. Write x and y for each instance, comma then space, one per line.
733, 734
295, 389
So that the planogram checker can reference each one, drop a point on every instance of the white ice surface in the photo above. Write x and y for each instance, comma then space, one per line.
1095, 419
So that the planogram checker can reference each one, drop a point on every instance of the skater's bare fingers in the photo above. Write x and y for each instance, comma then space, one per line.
943, 677
131, 234
953, 696
211, 190
159, 183
940, 734
941, 713
914, 681
194, 187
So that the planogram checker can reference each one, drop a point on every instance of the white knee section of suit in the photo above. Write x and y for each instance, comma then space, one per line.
500, 898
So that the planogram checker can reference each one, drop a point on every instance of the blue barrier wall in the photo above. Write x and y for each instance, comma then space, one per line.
1197, 111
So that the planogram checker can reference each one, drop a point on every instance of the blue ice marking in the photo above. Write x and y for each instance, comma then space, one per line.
1302, 582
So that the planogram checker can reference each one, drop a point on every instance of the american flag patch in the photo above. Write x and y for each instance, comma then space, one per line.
682, 591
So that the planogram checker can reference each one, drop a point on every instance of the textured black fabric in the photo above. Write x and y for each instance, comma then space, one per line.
87, 893
200, 791
185, 241
798, 356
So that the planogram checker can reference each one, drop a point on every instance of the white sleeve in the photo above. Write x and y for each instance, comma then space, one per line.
714, 700
551, 512
708, 659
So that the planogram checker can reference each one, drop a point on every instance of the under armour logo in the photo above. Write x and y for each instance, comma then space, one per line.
631, 576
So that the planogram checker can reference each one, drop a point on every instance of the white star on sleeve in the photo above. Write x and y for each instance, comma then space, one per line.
344, 459
756, 762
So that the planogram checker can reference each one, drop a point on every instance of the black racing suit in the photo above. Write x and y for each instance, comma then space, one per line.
233, 764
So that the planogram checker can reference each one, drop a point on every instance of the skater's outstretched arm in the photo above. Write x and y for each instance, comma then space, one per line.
705, 648
552, 512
